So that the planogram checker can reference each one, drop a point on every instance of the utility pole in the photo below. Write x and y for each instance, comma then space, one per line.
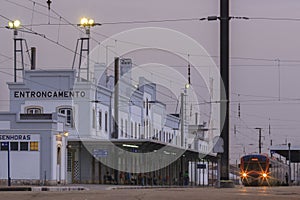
290, 170
224, 67
182, 119
116, 98
115, 134
259, 140
8, 165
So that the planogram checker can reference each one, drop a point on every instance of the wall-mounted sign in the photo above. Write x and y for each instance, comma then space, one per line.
9, 137
49, 94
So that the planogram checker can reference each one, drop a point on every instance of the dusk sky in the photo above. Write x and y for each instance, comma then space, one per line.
264, 52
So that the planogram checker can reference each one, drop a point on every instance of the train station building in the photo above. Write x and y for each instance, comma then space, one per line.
61, 129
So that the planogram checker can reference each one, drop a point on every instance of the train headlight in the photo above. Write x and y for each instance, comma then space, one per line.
244, 175
264, 175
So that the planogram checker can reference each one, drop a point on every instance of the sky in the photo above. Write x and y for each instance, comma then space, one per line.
264, 52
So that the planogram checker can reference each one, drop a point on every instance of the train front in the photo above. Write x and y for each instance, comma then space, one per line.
254, 170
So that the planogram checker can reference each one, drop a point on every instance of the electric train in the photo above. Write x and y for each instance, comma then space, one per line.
261, 170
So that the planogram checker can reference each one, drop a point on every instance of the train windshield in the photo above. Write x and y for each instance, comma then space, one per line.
254, 166
254, 162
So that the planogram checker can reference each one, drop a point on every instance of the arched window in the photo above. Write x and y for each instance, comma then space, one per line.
34, 110
68, 112
147, 107
135, 130
106, 121
131, 130
94, 119
139, 136
126, 128
100, 119
122, 127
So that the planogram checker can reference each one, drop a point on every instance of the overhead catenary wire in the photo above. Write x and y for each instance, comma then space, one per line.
259, 59
185, 19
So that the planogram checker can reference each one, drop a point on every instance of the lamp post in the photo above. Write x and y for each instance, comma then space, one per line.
5, 145
8, 165
86, 24
15, 25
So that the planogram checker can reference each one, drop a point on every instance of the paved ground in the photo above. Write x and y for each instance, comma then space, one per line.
107, 193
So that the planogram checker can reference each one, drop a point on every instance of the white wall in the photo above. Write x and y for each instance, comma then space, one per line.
23, 165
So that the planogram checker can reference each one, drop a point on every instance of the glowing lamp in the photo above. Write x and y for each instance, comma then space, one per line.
83, 21
187, 86
91, 22
87, 22
14, 24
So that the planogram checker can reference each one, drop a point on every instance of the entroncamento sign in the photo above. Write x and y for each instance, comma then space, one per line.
49, 94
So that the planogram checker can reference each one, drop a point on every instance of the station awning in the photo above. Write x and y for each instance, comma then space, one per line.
284, 151
146, 145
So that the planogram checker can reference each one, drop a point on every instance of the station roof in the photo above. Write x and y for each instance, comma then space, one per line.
284, 151
146, 145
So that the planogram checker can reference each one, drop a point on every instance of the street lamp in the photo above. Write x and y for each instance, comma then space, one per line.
14, 24
187, 86
5, 145
87, 23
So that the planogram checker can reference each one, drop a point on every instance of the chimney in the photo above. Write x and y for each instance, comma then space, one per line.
33, 58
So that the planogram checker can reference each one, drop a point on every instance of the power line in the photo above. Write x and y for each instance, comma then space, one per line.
275, 18
126, 22
51, 40
31, 9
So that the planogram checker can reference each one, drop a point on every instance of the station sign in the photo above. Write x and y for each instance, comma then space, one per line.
201, 166
19, 137
100, 153
49, 94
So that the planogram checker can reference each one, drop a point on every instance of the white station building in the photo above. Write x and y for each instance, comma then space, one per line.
61, 130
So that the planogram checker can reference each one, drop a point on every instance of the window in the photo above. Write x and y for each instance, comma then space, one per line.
139, 136
160, 136
100, 119
4, 146
106, 121
147, 107
135, 130
69, 161
34, 146
33, 110
144, 122
14, 146
126, 128
122, 128
131, 129
94, 119
23, 146
69, 114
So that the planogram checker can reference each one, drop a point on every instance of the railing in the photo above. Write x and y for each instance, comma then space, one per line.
35, 116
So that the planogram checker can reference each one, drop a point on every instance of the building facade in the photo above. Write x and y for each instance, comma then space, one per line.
62, 129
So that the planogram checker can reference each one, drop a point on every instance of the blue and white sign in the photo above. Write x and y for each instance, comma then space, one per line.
100, 153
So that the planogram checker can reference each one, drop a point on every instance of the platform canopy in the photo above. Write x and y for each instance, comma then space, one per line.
284, 151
